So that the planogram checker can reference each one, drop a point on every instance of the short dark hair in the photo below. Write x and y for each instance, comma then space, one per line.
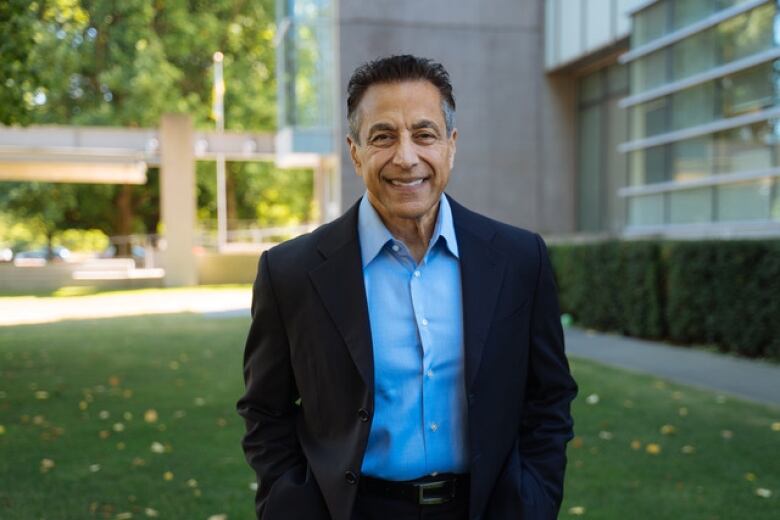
394, 69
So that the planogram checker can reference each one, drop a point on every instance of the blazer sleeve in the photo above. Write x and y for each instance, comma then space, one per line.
269, 405
547, 424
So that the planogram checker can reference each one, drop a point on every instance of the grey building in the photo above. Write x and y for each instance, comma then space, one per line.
614, 117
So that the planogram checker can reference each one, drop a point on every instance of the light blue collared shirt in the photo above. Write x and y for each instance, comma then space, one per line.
416, 317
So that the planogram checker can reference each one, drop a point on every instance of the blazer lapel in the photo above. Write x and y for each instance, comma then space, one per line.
481, 271
339, 284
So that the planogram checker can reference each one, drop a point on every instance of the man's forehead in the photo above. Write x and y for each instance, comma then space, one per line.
413, 100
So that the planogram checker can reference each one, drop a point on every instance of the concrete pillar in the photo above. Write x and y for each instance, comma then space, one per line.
177, 199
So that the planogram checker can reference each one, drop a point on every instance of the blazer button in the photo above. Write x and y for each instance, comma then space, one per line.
350, 477
363, 414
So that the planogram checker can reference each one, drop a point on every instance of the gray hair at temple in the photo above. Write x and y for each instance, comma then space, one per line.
395, 69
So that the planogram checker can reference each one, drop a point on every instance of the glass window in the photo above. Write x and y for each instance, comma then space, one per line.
649, 24
693, 106
746, 148
747, 33
695, 54
749, 90
648, 71
649, 118
692, 158
689, 11
744, 201
617, 79
646, 210
690, 206
648, 166
776, 204
590, 169
591, 87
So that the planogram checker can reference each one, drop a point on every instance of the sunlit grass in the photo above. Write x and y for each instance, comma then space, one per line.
102, 418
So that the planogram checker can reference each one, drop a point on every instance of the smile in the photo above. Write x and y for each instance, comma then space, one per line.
410, 183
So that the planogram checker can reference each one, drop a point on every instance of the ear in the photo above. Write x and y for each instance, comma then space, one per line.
353, 153
453, 147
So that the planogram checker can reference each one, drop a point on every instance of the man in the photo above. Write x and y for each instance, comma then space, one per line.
407, 359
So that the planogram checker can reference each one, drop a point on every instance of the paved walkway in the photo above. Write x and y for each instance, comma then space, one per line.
31, 309
753, 380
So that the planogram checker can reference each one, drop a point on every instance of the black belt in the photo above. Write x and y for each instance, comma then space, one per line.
425, 491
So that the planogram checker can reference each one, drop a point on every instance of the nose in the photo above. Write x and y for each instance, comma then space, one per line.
405, 156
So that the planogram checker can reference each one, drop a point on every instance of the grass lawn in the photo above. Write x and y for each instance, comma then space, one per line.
113, 417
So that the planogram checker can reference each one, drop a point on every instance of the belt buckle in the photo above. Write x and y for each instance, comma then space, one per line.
428, 501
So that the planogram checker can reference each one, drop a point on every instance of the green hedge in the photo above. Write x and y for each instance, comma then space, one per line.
725, 293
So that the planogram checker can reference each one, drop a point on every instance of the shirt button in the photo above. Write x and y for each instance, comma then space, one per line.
417, 274
424, 322
350, 477
434, 427
363, 415
396, 248
429, 373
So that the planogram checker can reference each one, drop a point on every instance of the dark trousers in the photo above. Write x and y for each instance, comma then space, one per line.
369, 506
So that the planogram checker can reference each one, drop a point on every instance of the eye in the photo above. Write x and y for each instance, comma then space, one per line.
426, 136
380, 138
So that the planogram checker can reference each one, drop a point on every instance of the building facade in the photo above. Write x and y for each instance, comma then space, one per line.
606, 117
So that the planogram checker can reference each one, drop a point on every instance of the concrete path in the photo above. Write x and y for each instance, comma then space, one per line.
753, 380
204, 300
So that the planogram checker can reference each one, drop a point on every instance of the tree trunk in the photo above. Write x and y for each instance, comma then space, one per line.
124, 226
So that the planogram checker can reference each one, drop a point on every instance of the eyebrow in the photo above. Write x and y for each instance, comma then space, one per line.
426, 123
379, 127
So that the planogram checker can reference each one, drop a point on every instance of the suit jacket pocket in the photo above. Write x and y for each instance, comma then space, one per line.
517, 494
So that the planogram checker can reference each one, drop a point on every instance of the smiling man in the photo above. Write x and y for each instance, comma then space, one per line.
406, 361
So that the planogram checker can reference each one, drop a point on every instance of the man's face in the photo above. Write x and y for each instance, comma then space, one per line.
404, 155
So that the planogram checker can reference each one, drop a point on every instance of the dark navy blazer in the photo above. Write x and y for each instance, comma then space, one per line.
309, 373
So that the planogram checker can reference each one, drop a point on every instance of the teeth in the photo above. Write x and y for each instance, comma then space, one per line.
410, 183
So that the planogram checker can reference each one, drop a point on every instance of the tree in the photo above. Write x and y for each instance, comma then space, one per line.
102, 62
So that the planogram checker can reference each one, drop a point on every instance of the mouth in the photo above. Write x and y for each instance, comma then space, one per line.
407, 183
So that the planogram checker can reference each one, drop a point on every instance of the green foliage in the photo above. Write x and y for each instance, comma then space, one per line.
258, 191
709, 292
102, 62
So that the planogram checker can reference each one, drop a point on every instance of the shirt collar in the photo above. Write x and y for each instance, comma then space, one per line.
374, 235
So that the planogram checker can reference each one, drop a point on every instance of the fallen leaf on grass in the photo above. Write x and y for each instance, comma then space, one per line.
168, 475
138, 461
605, 435
104, 414
46, 465
83, 405
124, 516
218, 517
592, 399
253, 486
2, 429
577, 442
776, 426
153, 513
192, 483
764, 492
199, 401
150, 416
127, 416
577, 510
157, 447
113, 381
682, 412
636, 445
94, 468
120, 446
668, 429
104, 434
119, 427
750, 477
127, 393
727, 434
42, 395
687, 449
653, 448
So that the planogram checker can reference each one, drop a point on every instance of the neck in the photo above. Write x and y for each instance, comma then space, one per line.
414, 232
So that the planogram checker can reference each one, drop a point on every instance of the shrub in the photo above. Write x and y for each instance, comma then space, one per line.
725, 293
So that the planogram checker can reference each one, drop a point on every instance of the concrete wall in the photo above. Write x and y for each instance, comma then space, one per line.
510, 164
